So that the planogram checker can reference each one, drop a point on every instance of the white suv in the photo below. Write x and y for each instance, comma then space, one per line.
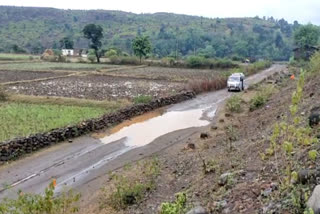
236, 82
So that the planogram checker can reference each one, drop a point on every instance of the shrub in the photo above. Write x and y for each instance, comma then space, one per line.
91, 55
131, 190
142, 99
111, 53
176, 207
124, 60
168, 61
195, 61
45, 203
234, 104
257, 101
257, 66
3, 95
209, 84
315, 62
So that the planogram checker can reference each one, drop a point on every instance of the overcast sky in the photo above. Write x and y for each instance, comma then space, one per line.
302, 10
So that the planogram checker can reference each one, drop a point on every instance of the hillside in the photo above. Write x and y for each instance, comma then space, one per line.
35, 29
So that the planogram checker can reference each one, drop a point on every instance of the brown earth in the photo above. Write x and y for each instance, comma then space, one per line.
182, 164
12, 76
97, 87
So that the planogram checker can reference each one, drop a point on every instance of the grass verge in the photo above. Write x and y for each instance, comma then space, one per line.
23, 119
16, 57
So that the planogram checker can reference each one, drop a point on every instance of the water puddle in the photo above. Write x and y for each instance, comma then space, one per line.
136, 134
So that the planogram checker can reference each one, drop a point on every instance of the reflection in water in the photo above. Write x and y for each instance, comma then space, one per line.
142, 133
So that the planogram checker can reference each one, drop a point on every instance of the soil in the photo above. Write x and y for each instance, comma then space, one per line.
170, 74
12, 76
98, 87
182, 165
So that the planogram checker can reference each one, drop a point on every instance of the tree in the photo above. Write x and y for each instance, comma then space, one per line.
66, 43
307, 35
94, 33
141, 46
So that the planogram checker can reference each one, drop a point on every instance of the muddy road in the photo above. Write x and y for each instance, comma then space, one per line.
84, 163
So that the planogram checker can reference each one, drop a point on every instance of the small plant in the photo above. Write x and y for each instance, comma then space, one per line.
234, 104
131, 190
315, 63
313, 154
231, 135
45, 203
176, 207
261, 97
142, 99
3, 95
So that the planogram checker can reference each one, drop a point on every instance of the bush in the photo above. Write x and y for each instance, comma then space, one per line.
234, 104
3, 95
130, 190
45, 203
124, 60
196, 61
177, 207
111, 53
257, 101
206, 85
168, 61
257, 66
91, 56
142, 99
315, 62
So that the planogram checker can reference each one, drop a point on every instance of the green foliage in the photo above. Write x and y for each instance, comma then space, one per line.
45, 203
124, 60
290, 134
185, 36
16, 57
315, 63
176, 207
141, 46
91, 55
261, 98
34, 118
130, 190
196, 61
234, 104
313, 154
3, 95
201, 62
111, 53
307, 35
66, 43
257, 66
142, 99
94, 33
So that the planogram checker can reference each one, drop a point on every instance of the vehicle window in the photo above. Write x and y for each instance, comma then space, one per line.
234, 78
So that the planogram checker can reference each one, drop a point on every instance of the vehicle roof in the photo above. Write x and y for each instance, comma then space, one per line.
237, 74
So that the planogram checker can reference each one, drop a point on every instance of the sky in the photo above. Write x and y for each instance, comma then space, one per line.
304, 11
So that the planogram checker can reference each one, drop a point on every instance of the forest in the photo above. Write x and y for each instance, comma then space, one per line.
32, 30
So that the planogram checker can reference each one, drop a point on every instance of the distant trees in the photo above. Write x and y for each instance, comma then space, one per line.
66, 43
94, 33
307, 35
141, 46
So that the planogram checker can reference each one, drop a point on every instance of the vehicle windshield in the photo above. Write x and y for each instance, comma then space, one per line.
234, 78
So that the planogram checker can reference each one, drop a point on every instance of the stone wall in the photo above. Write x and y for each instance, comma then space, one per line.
15, 148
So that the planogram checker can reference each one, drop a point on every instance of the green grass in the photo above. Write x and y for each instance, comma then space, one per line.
51, 66
21, 119
16, 57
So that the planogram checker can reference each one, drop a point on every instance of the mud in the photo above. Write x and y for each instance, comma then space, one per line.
98, 87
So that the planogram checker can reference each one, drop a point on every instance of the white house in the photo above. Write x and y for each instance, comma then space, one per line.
67, 52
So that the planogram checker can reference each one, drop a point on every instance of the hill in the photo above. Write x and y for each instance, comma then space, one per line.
35, 29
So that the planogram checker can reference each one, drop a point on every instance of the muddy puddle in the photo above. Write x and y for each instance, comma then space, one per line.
143, 130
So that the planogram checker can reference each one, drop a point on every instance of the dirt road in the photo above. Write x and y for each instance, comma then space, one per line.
83, 164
